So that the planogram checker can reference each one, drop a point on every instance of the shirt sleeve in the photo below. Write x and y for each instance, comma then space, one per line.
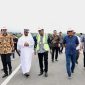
82, 39
64, 40
77, 41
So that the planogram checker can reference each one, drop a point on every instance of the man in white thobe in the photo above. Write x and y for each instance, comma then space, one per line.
26, 47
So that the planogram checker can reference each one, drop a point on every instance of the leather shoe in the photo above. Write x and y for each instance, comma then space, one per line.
41, 73
5, 75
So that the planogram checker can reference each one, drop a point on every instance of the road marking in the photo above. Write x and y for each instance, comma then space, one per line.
11, 76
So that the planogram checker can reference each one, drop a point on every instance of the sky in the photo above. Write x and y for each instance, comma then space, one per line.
59, 15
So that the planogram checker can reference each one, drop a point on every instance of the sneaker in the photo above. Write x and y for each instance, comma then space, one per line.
26, 75
46, 74
69, 77
56, 60
52, 60
41, 73
10, 71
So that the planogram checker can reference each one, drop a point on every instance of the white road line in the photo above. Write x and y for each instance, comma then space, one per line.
11, 76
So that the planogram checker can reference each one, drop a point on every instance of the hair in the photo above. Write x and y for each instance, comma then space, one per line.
60, 32
81, 33
54, 30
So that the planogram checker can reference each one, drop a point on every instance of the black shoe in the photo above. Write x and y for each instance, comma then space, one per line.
26, 75
46, 74
43, 70
56, 60
5, 75
10, 71
41, 73
59, 52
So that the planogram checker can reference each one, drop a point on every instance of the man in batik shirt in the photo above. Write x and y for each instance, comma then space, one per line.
6, 48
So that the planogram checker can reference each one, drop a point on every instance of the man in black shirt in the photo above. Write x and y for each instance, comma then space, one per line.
15, 39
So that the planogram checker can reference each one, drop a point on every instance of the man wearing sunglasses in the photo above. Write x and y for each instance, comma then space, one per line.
70, 42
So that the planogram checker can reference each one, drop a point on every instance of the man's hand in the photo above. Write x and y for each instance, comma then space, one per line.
26, 44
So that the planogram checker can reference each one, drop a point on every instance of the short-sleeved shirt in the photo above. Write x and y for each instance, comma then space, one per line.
71, 44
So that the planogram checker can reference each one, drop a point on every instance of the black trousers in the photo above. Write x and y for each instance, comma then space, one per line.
55, 52
16, 51
84, 58
6, 61
77, 55
44, 56
61, 48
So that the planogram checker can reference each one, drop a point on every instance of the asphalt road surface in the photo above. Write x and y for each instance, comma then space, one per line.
56, 75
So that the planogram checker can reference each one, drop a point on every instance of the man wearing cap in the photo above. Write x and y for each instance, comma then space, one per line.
70, 42
26, 48
42, 49
6, 47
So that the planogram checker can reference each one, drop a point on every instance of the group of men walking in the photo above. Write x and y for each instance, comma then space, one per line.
24, 47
